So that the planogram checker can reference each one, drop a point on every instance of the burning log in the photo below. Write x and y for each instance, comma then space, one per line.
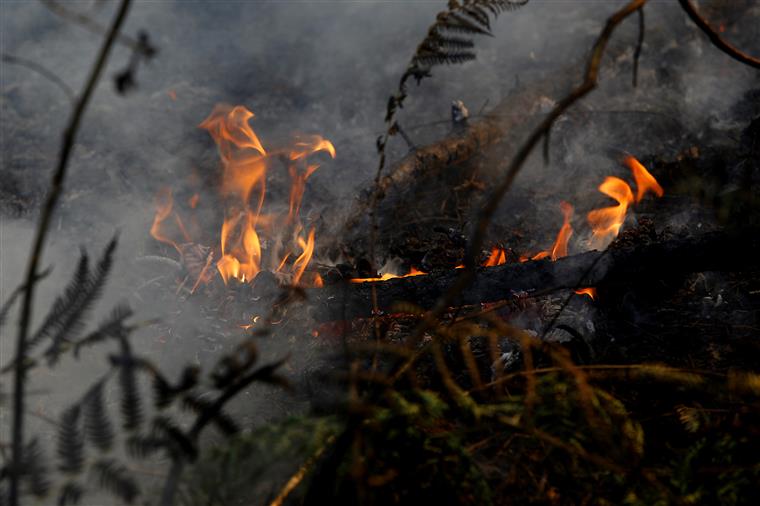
624, 263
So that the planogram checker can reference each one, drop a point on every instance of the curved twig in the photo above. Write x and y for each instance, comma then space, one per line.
44, 72
56, 188
715, 37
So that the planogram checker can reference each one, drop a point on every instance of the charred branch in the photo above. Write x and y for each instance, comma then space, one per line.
620, 265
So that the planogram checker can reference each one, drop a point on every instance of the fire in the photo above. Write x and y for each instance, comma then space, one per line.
252, 238
307, 248
644, 180
606, 222
590, 291
298, 179
498, 257
164, 203
241, 248
243, 156
559, 248
249, 239
386, 276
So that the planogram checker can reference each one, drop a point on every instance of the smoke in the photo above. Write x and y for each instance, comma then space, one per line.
326, 68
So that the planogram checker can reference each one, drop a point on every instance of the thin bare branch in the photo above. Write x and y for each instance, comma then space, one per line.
639, 45
56, 188
715, 37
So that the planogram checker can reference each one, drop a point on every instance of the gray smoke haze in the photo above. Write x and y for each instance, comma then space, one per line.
323, 67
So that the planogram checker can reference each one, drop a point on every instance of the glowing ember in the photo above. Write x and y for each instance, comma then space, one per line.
387, 276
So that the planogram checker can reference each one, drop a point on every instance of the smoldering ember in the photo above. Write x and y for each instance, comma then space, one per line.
444, 252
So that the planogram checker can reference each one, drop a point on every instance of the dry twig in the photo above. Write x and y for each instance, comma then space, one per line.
715, 37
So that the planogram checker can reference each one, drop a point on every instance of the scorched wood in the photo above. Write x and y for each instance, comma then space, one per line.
621, 264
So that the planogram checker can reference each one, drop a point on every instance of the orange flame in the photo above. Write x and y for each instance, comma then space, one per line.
559, 249
299, 266
241, 248
243, 156
606, 222
644, 180
498, 257
300, 151
164, 202
384, 277
590, 291
245, 164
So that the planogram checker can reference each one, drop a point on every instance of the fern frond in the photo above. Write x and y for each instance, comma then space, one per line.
221, 419
57, 316
189, 379
496, 7
97, 425
113, 326
116, 479
444, 58
446, 42
70, 325
131, 407
458, 23
164, 393
71, 493
34, 469
141, 447
165, 427
478, 13
70, 441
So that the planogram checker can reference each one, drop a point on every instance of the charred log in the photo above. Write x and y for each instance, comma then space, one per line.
624, 263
